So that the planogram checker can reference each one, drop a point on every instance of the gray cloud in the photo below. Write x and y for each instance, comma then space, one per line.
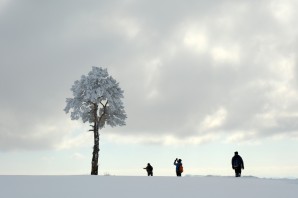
187, 68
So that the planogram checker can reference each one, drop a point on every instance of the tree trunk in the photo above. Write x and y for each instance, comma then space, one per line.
98, 120
94, 168
94, 163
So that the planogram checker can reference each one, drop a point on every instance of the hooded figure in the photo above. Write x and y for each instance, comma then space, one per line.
237, 164
149, 169
178, 164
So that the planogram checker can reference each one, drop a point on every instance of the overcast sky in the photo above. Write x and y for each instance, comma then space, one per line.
196, 74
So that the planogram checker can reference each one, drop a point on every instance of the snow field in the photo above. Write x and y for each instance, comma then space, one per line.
136, 187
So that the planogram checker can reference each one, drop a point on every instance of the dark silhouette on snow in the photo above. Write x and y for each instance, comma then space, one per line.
149, 169
179, 167
237, 164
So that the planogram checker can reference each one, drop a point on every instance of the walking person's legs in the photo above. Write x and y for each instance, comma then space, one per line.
238, 172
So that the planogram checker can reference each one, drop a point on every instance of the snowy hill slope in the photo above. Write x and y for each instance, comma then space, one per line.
135, 187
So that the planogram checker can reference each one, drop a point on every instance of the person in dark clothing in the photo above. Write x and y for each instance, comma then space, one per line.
149, 169
237, 164
178, 164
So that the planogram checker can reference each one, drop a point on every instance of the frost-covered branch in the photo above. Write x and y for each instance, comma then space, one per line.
94, 89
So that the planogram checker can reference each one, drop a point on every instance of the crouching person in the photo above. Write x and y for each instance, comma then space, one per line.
149, 169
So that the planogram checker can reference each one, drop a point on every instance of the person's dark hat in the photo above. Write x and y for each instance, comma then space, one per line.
236, 152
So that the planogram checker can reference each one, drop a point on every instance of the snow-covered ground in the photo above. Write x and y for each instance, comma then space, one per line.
151, 187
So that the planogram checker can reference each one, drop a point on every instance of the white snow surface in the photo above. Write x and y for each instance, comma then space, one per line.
135, 187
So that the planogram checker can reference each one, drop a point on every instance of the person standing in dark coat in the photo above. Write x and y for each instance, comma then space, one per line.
178, 164
149, 169
237, 164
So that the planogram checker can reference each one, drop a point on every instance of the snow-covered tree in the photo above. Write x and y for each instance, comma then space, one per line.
97, 100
